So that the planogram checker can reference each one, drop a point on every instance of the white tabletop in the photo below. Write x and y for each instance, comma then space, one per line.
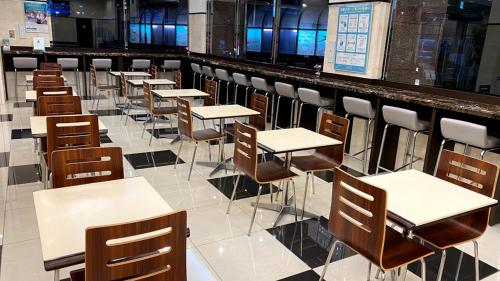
421, 199
222, 111
31, 95
64, 214
39, 126
181, 93
294, 139
29, 78
130, 73
154, 82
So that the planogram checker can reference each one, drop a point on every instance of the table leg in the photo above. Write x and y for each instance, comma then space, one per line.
221, 163
56, 275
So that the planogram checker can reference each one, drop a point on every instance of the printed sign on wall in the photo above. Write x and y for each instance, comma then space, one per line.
353, 37
35, 16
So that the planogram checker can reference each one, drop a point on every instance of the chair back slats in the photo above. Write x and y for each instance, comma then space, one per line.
259, 103
51, 72
47, 81
69, 132
211, 90
473, 174
185, 122
358, 215
245, 149
123, 84
93, 75
56, 90
155, 249
178, 79
48, 105
148, 96
154, 71
50, 66
87, 165
335, 127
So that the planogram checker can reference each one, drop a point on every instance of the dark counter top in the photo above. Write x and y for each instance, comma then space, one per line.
96, 52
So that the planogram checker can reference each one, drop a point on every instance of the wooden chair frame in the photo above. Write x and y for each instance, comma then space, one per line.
48, 105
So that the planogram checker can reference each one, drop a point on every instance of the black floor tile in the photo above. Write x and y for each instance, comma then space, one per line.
23, 104
5, 117
106, 112
163, 132
24, 174
4, 159
21, 134
152, 159
310, 240
246, 187
309, 275
451, 265
328, 175
105, 139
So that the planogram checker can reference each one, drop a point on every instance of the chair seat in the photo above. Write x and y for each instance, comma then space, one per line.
164, 110
271, 171
400, 250
207, 135
314, 163
107, 87
448, 233
77, 275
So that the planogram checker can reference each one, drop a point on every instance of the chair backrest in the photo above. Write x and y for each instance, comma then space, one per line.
56, 90
185, 122
86, 165
47, 81
50, 72
259, 103
178, 79
148, 96
211, 90
50, 66
155, 249
93, 75
335, 127
358, 215
245, 149
154, 71
70, 132
123, 84
471, 173
58, 105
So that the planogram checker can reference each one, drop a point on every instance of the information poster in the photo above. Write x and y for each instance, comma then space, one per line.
353, 36
35, 16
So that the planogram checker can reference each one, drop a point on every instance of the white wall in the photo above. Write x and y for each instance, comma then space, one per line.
198, 26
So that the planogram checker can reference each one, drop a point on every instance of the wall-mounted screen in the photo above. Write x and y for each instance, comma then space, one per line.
181, 35
254, 39
59, 8
321, 43
134, 36
306, 42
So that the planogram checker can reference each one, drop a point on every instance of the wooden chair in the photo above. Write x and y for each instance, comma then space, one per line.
97, 88
153, 71
325, 158
58, 105
70, 132
51, 72
56, 90
475, 175
50, 66
245, 161
211, 90
178, 79
86, 165
185, 126
358, 219
155, 249
47, 81
131, 100
154, 112
258, 103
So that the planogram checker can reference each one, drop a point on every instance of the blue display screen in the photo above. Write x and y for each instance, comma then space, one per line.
306, 42
254, 39
134, 36
59, 8
145, 33
181, 35
321, 43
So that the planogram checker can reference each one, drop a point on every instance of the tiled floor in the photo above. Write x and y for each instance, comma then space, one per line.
219, 248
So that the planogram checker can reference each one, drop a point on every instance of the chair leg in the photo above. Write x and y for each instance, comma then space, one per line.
441, 266
209, 151
153, 130
367, 140
459, 265
15, 83
272, 109
318, 118
483, 151
369, 271
98, 100
128, 113
194, 80
144, 125
178, 153
300, 114
255, 210
312, 183
227, 92
381, 148
292, 114
439, 156
305, 196
192, 161
423, 272
330, 254
246, 96
233, 194
415, 134
476, 260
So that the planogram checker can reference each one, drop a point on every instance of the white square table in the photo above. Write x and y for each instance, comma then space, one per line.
129, 74
64, 214
31, 95
154, 82
39, 126
179, 93
288, 141
416, 199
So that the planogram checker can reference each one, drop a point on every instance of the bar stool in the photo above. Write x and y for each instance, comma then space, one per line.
71, 64
23, 63
241, 80
288, 91
141, 64
260, 84
102, 64
362, 109
406, 119
171, 65
196, 71
223, 75
312, 97
468, 134
208, 72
